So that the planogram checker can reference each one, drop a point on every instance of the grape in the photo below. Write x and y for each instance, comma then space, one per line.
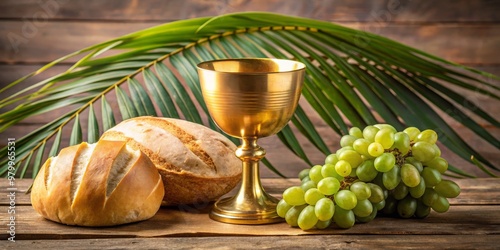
418, 191
406, 208
390, 206
367, 218
377, 194
347, 140
369, 133
427, 135
431, 176
385, 137
412, 132
308, 185
282, 208
304, 173
423, 151
429, 197
400, 191
422, 210
378, 181
379, 206
292, 216
361, 146
328, 186
343, 218
441, 204
384, 162
361, 190
340, 150
323, 224
375, 149
307, 218
391, 178
386, 126
343, 168
415, 163
331, 159
436, 148
312, 196
363, 208
294, 196
356, 132
376, 170
315, 173
410, 175
352, 174
306, 179
328, 170
401, 142
366, 171
351, 156
324, 209
447, 189
439, 164
346, 199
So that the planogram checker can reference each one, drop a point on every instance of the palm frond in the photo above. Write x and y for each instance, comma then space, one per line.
353, 77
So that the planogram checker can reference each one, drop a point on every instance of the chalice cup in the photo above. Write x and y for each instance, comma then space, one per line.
248, 99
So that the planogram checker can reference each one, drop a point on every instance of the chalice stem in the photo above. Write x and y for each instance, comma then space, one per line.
250, 154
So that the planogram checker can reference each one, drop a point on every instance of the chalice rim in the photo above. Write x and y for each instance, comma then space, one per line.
301, 66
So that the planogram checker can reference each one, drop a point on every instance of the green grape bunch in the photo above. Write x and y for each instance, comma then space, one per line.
377, 170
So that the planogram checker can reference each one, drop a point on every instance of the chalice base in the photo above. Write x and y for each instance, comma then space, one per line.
249, 212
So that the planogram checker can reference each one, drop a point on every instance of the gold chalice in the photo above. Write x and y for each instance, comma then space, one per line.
249, 99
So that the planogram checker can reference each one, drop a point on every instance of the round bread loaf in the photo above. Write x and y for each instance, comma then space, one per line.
197, 164
102, 184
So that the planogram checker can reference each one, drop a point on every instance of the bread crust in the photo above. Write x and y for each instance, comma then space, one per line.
136, 196
197, 164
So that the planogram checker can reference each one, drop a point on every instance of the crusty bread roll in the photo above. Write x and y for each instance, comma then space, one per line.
102, 184
197, 164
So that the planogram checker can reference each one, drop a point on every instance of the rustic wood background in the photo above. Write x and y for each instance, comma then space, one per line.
35, 32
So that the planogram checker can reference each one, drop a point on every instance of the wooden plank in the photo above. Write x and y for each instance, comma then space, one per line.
478, 191
187, 226
462, 43
194, 221
339, 10
275, 242
32, 44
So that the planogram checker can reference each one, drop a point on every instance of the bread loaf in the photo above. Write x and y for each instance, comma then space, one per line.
102, 184
197, 164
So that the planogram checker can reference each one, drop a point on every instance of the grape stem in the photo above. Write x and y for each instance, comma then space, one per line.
347, 182
400, 158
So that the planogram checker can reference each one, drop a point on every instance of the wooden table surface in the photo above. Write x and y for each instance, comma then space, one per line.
473, 222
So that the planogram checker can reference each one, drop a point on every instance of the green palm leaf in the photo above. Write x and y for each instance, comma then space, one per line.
108, 118
352, 78
92, 128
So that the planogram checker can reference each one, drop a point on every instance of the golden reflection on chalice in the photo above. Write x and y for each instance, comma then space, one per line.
248, 99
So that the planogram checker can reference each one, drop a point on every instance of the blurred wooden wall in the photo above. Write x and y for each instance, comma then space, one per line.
35, 32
